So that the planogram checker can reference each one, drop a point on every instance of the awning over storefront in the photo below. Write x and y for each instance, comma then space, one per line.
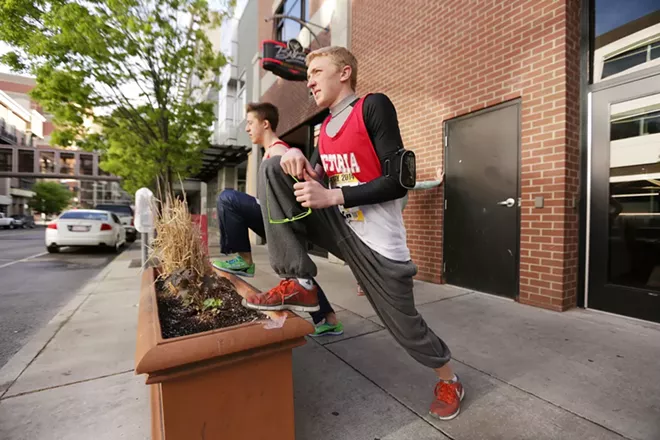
17, 192
220, 156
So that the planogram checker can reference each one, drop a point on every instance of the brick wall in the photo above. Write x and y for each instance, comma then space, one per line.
9, 86
48, 128
572, 182
439, 60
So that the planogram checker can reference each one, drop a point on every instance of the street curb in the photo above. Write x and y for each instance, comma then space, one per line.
15, 367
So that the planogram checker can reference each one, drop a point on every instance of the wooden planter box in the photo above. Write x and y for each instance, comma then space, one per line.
233, 383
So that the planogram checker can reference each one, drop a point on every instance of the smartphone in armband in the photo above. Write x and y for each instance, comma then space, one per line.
402, 167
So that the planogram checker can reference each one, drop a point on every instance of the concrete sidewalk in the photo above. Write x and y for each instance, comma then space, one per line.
75, 379
529, 373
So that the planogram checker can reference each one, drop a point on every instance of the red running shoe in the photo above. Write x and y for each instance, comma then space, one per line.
448, 396
288, 295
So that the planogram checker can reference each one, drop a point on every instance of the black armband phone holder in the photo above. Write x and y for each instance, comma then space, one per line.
402, 167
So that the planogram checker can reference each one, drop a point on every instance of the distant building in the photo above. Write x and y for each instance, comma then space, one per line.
21, 124
24, 124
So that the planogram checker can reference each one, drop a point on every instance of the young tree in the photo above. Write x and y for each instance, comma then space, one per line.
49, 198
122, 77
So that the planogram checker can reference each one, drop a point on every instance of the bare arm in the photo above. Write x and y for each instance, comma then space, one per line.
275, 150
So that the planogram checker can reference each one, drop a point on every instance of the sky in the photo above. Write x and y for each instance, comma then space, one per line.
611, 14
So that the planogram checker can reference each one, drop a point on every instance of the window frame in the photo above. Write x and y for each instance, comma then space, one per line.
645, 46
278, 25
241, 99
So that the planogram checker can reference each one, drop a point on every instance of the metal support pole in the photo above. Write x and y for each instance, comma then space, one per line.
145, 248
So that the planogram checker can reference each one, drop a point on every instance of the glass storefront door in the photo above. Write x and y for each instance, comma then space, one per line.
624, 241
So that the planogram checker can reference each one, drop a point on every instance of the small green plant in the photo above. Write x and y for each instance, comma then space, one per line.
212, 304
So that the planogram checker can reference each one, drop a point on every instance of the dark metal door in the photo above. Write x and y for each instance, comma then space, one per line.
624, 218
481, 217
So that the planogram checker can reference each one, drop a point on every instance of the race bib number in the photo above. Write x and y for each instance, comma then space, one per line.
347, 179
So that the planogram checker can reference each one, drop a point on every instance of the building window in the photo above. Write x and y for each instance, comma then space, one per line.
286, 29
67, 163
624, 40
26, 183
5, 160
47, 162
241, 100
633, 126
25, 161
87, 164
631, 58
87, 193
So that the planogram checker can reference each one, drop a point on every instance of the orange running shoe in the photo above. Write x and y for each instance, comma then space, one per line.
288, 295
448, 396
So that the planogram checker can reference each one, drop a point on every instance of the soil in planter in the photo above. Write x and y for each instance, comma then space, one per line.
176, 319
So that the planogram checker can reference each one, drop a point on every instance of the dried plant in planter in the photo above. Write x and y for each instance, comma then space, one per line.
191, 298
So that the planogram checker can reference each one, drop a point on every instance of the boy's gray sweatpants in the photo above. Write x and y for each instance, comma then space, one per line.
387, 284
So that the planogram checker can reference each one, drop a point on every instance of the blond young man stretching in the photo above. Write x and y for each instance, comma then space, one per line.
357, 216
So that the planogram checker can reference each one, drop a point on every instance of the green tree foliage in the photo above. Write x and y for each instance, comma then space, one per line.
122, 77
50, 198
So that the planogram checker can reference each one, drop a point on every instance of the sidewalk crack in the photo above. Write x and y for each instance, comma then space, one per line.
446, 434
529, 393
350, 337
66, 384
421, 416
445, 299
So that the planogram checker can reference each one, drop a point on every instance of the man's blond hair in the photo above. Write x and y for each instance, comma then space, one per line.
340, 56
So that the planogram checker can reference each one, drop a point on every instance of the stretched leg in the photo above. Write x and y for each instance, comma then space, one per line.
238, 212
387, 284
287, 241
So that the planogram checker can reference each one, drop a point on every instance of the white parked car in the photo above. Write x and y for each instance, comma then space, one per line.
6, 222
125, 214
85, 227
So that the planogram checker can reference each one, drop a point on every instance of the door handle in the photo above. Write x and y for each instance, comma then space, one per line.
509, 203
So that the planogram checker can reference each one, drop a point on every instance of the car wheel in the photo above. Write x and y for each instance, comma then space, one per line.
116, 248
53, 249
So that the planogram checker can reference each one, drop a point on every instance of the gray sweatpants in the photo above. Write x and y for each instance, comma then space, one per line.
387, 284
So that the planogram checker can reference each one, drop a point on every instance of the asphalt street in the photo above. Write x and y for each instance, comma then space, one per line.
35, 285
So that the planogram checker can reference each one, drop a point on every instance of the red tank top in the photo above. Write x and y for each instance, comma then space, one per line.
350, 151
267, 153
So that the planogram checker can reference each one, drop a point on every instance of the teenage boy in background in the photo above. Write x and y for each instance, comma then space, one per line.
238, 212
